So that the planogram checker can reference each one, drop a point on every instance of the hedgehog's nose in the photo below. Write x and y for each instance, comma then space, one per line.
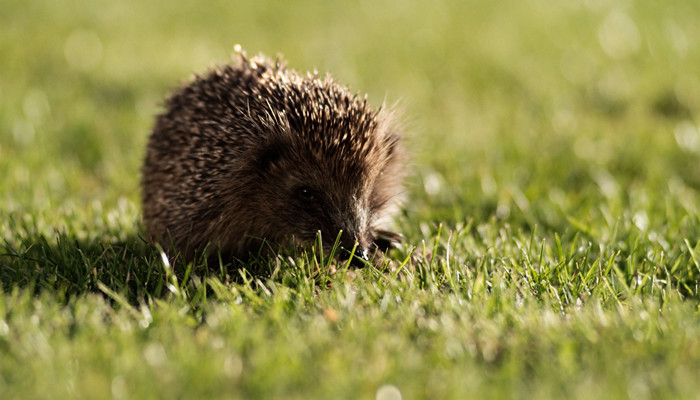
359, 257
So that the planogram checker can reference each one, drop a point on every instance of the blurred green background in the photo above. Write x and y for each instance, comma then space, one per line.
551, 212
565, 103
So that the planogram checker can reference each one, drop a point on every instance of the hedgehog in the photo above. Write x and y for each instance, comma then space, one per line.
252, 158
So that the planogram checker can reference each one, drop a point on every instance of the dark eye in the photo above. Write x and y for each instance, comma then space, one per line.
306, 193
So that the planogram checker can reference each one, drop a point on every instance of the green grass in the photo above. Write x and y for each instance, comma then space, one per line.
552, 224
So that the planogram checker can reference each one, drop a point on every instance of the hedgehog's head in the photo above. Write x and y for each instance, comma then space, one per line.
326, 162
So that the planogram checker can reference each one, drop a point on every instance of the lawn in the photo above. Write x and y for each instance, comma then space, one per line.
551, 220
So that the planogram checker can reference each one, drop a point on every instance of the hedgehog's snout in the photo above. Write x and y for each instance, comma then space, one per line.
354, 243
359, 257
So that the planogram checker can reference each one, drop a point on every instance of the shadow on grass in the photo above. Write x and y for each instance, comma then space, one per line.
132, 268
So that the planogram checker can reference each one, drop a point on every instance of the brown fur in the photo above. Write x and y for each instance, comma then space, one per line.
253, 150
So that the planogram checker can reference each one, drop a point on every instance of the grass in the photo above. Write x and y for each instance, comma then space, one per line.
552, 228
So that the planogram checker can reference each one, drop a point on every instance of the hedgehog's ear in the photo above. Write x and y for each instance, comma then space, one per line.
268, 157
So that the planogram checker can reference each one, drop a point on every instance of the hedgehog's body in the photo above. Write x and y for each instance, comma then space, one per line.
254, 153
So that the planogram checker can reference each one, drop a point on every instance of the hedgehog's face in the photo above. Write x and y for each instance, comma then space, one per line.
315, 208
332, 193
